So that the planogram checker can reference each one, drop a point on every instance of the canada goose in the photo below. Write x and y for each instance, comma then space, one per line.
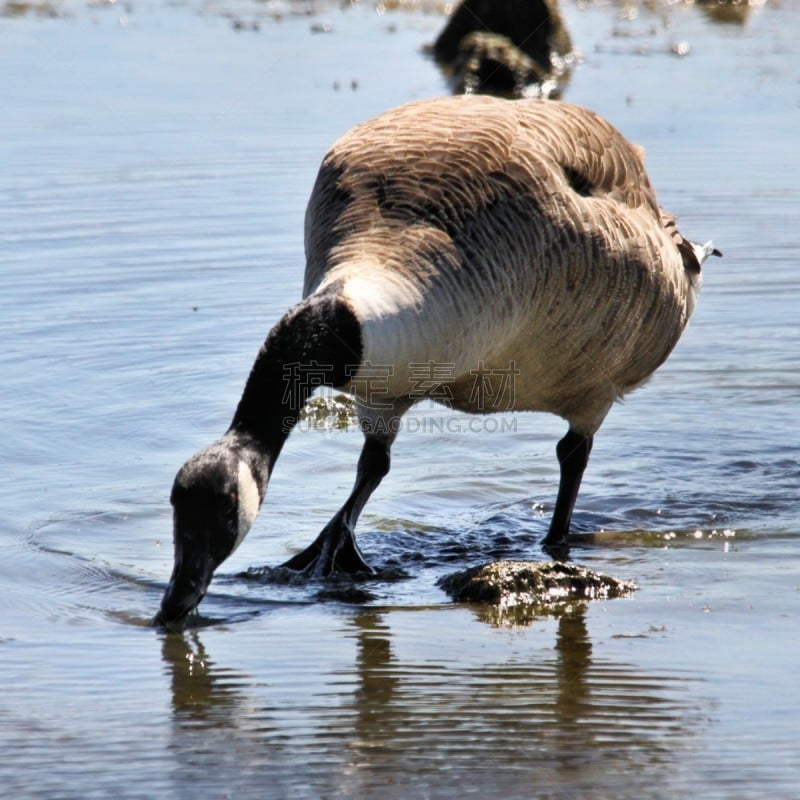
515, 247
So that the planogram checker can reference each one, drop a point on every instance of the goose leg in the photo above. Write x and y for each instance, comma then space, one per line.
335, 549
573, 455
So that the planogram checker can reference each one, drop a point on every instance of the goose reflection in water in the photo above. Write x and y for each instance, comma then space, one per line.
563, 716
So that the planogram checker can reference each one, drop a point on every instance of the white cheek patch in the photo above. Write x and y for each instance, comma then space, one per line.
249, 502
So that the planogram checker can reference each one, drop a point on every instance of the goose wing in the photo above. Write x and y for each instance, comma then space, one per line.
444, 163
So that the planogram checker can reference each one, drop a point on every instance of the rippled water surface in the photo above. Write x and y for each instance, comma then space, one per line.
156, 159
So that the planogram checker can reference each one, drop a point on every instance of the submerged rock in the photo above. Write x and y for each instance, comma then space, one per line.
509, 584
332, 412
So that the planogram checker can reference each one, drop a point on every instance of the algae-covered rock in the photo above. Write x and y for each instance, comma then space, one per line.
331, 412
532, 583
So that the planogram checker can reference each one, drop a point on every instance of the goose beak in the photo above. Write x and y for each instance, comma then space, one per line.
187, 587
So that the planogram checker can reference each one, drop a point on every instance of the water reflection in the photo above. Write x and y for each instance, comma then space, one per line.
572, 666
377, 680
555, 716
220, 740
201, 692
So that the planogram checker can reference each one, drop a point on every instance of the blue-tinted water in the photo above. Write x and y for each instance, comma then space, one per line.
156, 160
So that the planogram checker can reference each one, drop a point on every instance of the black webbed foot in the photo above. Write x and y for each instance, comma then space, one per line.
333, 551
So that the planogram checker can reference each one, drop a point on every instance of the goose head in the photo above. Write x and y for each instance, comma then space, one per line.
215, 498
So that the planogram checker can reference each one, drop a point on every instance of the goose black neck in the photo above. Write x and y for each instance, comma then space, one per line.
316, 343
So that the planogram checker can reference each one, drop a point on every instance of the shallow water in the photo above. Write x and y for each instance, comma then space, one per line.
156, 163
